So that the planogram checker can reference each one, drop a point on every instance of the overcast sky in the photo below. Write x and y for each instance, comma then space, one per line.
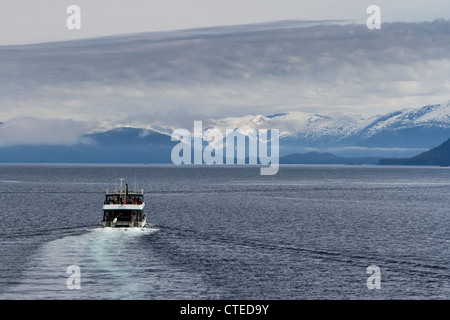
174, 78
25, 21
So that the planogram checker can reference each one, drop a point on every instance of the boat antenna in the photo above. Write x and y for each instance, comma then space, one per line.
135, 181
121, 179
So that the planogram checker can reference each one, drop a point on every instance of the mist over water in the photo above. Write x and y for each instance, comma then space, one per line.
308, 232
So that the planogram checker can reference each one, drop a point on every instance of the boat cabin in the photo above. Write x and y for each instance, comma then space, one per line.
124, 208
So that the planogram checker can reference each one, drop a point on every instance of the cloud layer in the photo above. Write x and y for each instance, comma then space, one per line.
169, 78
32, 131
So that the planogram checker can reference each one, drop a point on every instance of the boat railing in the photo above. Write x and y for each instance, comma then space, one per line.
123, 203
139, 191
117, 201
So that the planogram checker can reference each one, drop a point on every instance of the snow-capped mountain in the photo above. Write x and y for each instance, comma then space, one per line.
340, 126
399, 134
298, 124
410, 129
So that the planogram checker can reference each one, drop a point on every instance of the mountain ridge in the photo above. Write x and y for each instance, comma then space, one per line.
397, 134
341, 125
438, 156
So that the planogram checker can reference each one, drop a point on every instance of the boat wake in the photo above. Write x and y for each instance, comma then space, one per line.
113, 264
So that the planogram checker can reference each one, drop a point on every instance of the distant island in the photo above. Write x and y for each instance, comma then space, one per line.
439, 156
325, 158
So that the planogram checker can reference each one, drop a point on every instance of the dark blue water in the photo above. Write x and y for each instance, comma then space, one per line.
309, 232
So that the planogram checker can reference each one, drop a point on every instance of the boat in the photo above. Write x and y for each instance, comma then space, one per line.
124, 208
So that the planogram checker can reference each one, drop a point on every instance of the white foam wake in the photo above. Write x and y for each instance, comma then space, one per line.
113, 263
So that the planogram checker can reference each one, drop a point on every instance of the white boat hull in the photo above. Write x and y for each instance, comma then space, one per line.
124, 224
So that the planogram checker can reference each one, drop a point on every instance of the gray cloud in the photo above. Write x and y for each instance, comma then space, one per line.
171, 77
33, 131
27, 21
